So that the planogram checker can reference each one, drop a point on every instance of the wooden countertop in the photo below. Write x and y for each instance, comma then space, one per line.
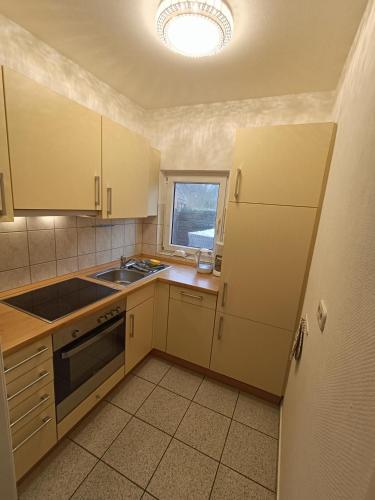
18, 329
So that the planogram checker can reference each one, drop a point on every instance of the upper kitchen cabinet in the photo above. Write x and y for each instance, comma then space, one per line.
126, 160
6, 201
281, 165
54, 147
153, 195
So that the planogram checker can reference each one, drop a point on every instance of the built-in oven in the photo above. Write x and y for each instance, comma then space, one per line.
86, 354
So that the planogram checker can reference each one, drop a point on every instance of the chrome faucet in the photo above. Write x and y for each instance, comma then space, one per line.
124, 261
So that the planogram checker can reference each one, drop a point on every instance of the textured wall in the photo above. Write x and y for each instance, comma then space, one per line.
201, 137
328, 432
23, 52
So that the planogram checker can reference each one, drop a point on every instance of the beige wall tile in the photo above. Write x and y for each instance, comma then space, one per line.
148, 249
14, 278
19, 224
14, 252
103, 257
138, 233
43, 271
138, 249
130, 234
118, 236
62, 221
66, 266
85, 221
102, 222
129, 250
103, 238
85, 261
44, 222
117, 253
149, 234
42, 246
86, 240
66, 243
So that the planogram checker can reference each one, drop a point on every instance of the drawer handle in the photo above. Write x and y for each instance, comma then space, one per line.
220, 329
42, 375
43, 399
224, 296
109, 201
185, 294
46, 420
40, 351
131, 333
97, 190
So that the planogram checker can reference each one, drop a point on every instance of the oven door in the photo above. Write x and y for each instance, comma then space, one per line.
84, 364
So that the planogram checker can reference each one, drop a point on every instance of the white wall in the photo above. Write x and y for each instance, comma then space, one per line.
328, 431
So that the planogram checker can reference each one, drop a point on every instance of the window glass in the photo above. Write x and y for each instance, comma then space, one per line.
194, 214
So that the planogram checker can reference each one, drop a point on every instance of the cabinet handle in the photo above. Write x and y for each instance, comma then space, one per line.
40, 351
97, 190
46, 420
42, 375
220, 329
43, 399
224, 296
109, 200
131, 318
223, 224
1, 192
185, 294
237, 184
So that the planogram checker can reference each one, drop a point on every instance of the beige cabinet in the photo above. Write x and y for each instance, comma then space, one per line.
6, 198
139, 325
54, 147
251, 352
190, 325
126, 171
267, 248
282, 165
153, 189
161, 307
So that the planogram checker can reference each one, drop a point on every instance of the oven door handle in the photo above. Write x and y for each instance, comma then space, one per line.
93, 340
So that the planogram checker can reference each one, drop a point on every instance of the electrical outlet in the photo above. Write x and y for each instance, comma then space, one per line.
322, 315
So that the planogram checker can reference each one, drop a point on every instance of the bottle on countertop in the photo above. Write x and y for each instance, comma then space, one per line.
219, 247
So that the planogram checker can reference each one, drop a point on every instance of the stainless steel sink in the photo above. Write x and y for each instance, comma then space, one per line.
120, 276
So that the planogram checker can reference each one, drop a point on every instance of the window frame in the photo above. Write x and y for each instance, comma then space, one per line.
196, 178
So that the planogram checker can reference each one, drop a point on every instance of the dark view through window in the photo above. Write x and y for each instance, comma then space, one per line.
194, 214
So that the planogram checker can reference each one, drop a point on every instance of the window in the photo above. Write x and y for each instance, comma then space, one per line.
194, 212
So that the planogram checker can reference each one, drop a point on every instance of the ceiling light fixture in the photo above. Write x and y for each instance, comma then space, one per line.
194, 28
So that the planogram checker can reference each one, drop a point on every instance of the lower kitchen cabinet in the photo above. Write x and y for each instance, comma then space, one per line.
139, 326
190, 330
250, 352
161, 306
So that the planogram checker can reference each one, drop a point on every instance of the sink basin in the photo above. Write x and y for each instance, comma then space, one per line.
119, 276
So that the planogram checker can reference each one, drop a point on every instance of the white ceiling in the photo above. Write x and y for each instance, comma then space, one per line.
279, 47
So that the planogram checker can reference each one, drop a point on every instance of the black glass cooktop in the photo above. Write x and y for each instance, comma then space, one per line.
55, 301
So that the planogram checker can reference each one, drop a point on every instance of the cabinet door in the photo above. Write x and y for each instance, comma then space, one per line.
54, 146
190, 330
153, 190
138, 333
266, 254
6, 199
126, 171
251, 352
282, 165
161, 306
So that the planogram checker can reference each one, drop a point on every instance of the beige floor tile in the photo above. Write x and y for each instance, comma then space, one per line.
104, 483
251, 453
204, 430
182, 381
137, 451
183, 473
259, 414
147, 496
230, 485
130, 394
59, 474
153, 369
217, 396
164, 410
99, 429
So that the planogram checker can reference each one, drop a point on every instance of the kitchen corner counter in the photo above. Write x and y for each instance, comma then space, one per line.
18, 328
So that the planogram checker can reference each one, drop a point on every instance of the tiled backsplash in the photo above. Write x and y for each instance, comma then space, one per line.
37, 248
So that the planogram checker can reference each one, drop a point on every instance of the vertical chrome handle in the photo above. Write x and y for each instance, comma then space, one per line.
224, 296
220, 329
1, 192
109, 200
223, 224
237, 186
97, 190
131, 332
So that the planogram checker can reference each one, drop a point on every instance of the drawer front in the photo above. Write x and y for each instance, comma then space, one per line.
195, 297
28, 409
34, 440
30, 382
136, 298
26, 358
